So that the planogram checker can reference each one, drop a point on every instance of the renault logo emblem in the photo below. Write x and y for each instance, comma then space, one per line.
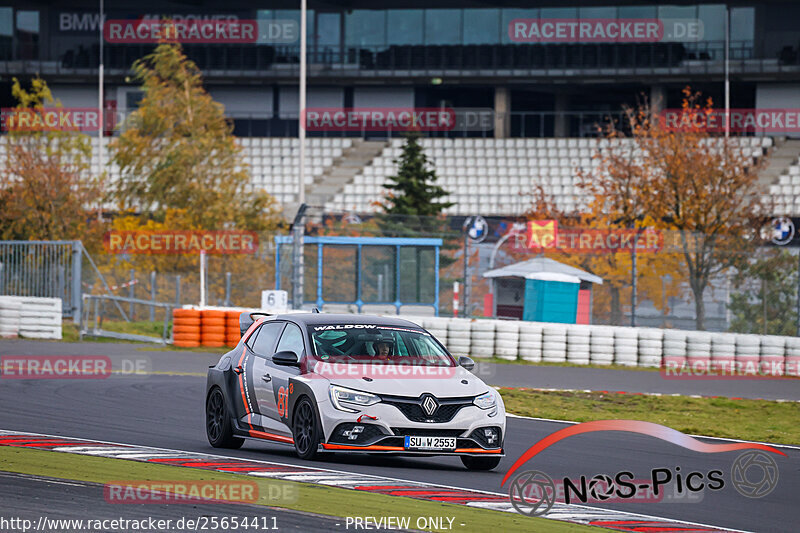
429, 405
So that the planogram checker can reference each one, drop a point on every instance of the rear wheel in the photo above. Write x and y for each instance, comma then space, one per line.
480, 463
305, 430
219, 426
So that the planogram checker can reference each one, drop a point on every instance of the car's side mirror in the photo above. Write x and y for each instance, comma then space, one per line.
466, 362
286, 358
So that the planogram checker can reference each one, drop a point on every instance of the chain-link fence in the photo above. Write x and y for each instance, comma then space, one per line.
385, 264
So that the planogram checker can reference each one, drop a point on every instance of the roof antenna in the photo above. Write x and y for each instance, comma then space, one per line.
315, 310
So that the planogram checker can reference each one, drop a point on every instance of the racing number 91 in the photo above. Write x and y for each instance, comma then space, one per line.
283, 402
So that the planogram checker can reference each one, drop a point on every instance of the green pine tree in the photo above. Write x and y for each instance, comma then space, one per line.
415, 192
414, 208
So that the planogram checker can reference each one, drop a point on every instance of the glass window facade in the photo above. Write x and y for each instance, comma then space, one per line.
404, 26
69, 35
443, 26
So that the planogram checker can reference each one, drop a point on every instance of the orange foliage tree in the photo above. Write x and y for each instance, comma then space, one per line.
704, 188
47, 191
701, 191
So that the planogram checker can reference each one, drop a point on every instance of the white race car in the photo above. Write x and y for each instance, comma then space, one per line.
352, 383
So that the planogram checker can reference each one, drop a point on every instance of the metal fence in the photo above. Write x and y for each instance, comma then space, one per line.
50, 269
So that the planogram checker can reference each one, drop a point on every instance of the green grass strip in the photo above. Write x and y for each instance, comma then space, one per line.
311, 498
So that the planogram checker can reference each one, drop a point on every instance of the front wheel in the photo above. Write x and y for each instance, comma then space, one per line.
480, 463
305, 430
219, 426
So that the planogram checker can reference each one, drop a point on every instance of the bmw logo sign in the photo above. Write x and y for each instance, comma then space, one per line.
476, 228
779, 231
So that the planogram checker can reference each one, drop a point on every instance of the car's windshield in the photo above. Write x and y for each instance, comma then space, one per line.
365, 343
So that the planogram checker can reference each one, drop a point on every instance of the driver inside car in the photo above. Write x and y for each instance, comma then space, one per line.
383, 350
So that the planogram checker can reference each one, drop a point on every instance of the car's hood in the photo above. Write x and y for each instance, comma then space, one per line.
441, 382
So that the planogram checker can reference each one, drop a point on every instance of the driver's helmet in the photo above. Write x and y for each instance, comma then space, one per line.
387, 341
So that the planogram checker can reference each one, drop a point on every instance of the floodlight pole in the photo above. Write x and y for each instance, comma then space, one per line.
465, 305
100, 102
301, 130
298, 230
727, 72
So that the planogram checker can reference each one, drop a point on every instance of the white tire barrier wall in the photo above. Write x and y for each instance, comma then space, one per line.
698, 350
626, 346
9, 317
651, 346
792, 356
674, 346
578, 345
723, 352
554, 343
601, 345
773, 355
747, 352
674, 349
506, 340
38, 318
530, 341
458, 336
482, 335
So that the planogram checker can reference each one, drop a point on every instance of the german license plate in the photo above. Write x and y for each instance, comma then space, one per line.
430, 443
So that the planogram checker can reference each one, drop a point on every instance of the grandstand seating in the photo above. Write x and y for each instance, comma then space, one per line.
786, 193
496, 176
273, 162
483, 175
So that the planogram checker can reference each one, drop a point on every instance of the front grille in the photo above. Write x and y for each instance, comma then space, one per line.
412, 408
428, 432
479, 436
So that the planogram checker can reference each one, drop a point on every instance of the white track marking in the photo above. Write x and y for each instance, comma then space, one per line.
566, 511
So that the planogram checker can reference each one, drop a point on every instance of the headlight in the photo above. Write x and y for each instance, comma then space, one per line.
346, 399
486, 401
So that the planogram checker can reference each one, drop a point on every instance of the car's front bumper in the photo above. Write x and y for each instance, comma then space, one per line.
385, 427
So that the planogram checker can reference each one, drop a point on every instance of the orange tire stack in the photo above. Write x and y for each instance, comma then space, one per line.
232, 332
212, 330
186, 327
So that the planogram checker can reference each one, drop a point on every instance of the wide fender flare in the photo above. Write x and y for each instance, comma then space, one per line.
298, 389
227, 381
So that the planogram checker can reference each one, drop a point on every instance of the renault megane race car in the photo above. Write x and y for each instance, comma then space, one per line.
352, 383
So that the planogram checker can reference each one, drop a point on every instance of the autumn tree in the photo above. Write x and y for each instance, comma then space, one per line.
704, 188
47, 190
606, 211
177, 151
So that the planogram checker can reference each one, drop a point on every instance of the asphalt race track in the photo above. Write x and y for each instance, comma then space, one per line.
165, 409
